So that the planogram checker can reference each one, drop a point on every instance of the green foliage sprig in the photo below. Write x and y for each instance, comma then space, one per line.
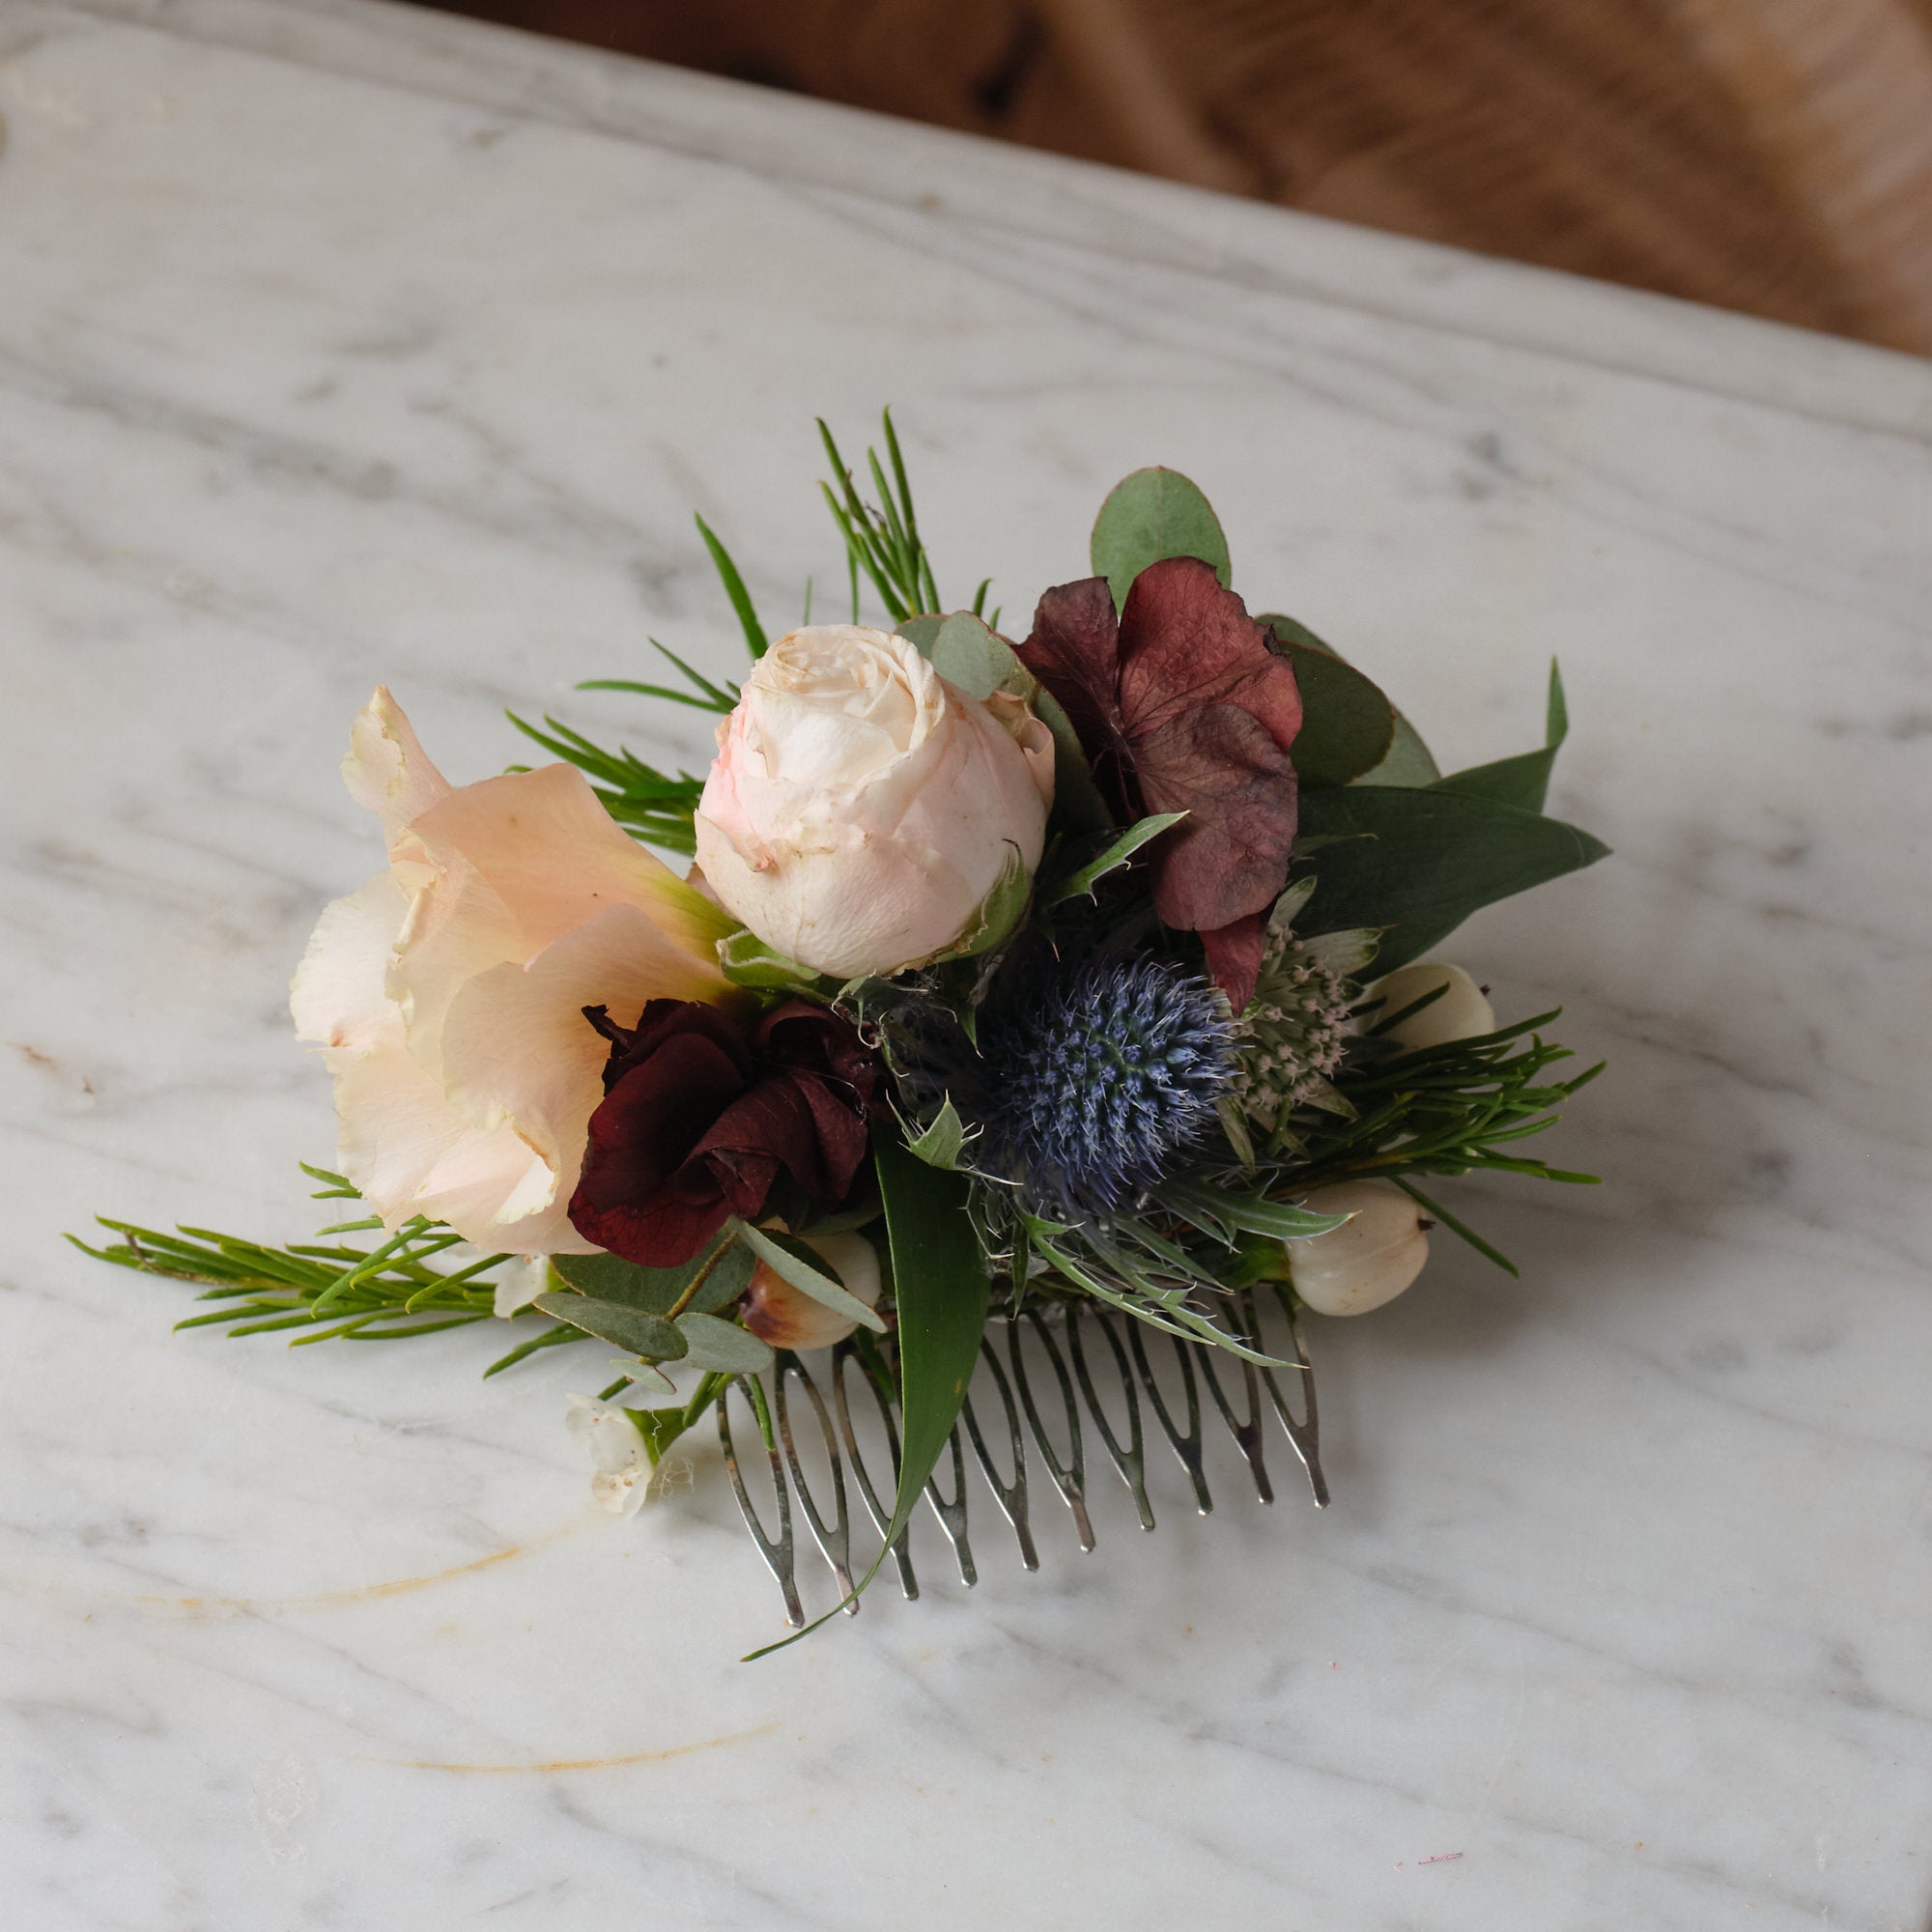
385, 1293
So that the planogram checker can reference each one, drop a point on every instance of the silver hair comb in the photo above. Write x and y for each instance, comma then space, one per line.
1067, 1348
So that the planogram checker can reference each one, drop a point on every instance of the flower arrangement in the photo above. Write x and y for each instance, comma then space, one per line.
1012, 973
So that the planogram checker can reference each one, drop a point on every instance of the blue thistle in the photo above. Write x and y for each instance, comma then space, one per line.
1099, 1075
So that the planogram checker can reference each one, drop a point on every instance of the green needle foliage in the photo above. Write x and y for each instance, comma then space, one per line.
653, 806
883, 540
1465, 1107
327, 1288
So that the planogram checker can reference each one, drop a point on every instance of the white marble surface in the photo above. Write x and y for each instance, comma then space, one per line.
339, 343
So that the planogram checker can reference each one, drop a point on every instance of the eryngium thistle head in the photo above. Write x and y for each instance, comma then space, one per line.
1098, 1076
1294, 1029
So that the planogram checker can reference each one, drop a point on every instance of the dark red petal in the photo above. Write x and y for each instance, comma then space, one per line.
662, 1231
1074, 651
775, 1121
812, 1039
1185, 642
841, 1138
653, 1117
1229, 857
666, 1020
1235, 957
743, 1176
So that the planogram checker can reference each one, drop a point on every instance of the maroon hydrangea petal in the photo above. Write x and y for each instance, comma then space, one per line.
1234, 956
1184, 706
1185, 642
1229, 856
1074, 650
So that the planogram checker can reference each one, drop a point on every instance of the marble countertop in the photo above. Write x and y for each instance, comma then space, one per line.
340, 343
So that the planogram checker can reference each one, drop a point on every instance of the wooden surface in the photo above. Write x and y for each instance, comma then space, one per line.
1771, 155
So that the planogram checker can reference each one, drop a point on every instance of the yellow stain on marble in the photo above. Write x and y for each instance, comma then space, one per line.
544, 1766
345, 1600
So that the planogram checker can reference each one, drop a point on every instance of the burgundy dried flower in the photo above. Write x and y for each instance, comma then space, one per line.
1183, 706
699, 1121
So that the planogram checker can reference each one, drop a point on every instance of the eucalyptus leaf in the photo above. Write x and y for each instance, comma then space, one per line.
1409, 761
1524, 780
1347, 727
649, 1336
1148, 517
726, 1264
1419, 862
722, 1347
967, 652
793, 1261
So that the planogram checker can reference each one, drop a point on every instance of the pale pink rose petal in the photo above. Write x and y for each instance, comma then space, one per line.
514, 863
339, 997
518, 1052
1035, 742
387, 769
860, 809
527, 868
409, 1151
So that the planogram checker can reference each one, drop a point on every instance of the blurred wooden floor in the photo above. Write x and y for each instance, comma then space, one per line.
1770, 156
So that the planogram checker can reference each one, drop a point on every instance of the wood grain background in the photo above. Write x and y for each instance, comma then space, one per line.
1771, 155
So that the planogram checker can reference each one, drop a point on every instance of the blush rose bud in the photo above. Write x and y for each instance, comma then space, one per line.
780, 1314
860, 809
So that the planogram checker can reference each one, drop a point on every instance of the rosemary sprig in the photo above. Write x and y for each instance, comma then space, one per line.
883, 540
385, 1293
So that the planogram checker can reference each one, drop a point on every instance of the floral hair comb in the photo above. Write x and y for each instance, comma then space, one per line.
1028, 995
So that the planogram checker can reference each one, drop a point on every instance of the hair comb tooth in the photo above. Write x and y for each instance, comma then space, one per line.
1077, 1367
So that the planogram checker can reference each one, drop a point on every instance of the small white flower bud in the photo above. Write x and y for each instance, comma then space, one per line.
1367, 1260
1463, 1012
778, 1313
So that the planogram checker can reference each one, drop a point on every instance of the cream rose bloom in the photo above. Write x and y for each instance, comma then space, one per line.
860, 809
447, 996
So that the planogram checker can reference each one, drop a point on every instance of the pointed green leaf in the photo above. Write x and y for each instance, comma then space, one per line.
1148, 516
1419, 862
662, 1427
734, 589
941, 1295
1524, 780
942, 1292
